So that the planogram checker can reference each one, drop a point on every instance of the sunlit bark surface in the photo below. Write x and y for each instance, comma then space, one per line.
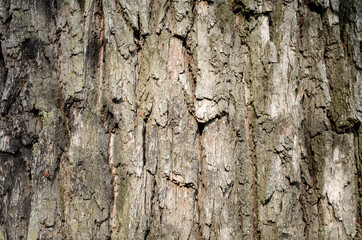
182, 119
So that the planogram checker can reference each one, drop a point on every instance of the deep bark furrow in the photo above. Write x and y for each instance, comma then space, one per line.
253, 189
200, 185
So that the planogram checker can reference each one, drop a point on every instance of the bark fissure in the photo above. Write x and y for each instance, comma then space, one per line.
358, 156
253, 190
101, 43
201, 188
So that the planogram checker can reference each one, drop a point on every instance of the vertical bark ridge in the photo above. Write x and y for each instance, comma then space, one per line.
114, 182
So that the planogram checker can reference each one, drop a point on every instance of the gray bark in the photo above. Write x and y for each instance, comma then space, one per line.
156, 119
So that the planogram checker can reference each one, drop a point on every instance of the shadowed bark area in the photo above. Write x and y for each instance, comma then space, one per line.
157, 119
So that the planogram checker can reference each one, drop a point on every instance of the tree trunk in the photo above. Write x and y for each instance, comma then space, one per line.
183, 119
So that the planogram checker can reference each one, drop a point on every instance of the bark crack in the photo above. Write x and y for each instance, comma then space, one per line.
101, 53
201, 187
358, 181
253, 191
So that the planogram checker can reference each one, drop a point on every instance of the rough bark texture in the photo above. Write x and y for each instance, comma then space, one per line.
157, 119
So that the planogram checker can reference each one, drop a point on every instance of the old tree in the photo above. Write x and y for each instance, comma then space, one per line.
180, 119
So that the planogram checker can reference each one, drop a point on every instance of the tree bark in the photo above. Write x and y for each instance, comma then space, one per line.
157, 119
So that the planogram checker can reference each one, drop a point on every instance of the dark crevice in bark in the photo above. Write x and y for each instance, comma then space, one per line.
137, 31
30, 47
254, 193
137, 90
239, 7
94, 47
144, 151
190, 68
331, 121
182, 39
102, 50
304, 206
315, 6
300, 17
65, 109
148, 230
201, 187
249, 131
358, 155
200, 127
97, 48
3, 75
62, 104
